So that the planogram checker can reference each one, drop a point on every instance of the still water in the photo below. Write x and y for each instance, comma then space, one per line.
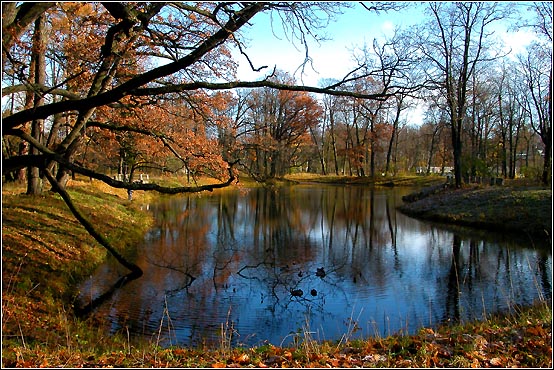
253, 266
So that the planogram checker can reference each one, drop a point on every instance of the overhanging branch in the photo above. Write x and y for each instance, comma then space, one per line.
51, 155
233, 24
254, 84
135, 270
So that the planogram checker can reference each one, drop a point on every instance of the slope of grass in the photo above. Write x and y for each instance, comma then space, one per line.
46, 252
513, 209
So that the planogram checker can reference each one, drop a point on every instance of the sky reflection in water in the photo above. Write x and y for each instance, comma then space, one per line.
232, 264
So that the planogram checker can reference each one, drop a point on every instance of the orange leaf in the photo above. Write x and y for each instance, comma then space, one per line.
243, 359
536, 330
335, 362
496, 361
219, 365
288, 355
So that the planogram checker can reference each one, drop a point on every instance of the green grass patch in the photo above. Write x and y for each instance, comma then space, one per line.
383, 181
514, 209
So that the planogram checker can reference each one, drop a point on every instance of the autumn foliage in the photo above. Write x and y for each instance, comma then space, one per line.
113, 90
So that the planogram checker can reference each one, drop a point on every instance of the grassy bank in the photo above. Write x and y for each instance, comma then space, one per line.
516, 209
407, 180
46, 253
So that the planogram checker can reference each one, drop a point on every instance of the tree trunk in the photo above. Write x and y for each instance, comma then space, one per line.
547, 156
547, 139
457, 151
431, 153
38, 63
372, 149
334, 143
399, 100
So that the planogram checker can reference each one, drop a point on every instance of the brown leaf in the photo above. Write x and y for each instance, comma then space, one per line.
495, 361
428, 331
242, 359
536, 330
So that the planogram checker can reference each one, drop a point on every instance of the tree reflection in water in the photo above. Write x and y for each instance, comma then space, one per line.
249, 259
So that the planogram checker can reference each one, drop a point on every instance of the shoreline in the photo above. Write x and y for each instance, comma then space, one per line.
40, 329
522, 211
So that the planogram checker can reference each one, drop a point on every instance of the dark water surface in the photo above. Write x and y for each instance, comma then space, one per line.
231, 265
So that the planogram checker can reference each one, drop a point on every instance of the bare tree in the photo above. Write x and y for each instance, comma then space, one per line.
537, 69
454, 45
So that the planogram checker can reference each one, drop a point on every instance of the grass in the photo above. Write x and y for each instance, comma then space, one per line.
517, 209
380, 181
521, 339
46, 253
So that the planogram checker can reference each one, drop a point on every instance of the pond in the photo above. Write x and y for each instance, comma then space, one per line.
254, 266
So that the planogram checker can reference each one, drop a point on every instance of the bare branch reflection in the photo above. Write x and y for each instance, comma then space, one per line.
263, 261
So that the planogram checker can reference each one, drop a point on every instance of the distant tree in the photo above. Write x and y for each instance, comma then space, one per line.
331, 106
511, 117
280, 125
537, 69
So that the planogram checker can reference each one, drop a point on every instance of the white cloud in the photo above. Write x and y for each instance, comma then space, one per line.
388, 28
517, 41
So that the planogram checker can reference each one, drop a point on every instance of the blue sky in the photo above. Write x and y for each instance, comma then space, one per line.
333, 59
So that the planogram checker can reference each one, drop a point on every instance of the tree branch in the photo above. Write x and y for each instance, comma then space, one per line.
122, 90
39, 88
254, 84
26, 14
124, 128
116, 183
135, 270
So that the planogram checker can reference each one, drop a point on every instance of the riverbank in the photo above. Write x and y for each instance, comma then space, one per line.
525, 210
388, 181
46, 253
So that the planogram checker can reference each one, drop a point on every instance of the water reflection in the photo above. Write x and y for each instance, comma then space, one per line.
257, 265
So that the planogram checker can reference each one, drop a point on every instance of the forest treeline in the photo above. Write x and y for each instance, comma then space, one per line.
104, 88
